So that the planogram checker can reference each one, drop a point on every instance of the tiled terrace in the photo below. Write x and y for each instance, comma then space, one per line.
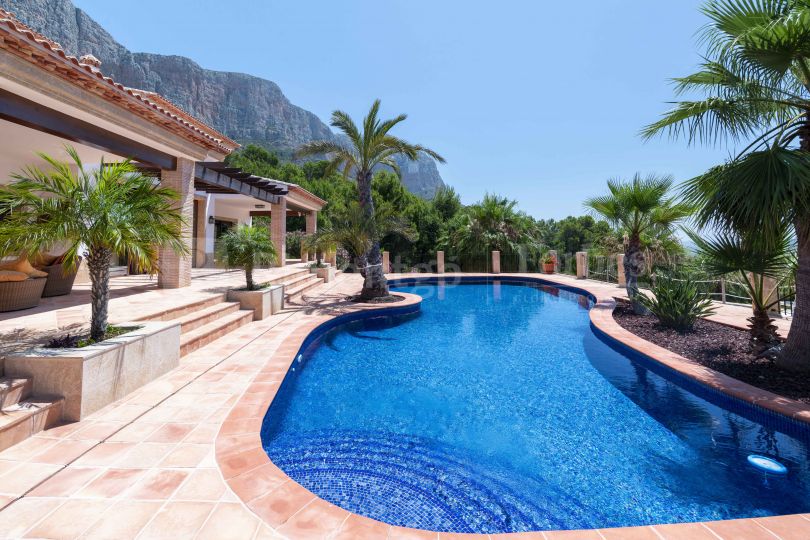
146, 467
132, 297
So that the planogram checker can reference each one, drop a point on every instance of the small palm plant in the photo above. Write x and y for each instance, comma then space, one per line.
367, 149
753, 260
319, 243
111, 210
677, 301
638, 208
247, 247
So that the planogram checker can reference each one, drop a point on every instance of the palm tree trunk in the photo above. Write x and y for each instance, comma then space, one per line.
375, 285
796, 352
633, 267
98, 265
249, 277
763, 331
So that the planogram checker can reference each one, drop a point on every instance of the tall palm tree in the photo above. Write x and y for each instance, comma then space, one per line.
246, 247
743, 254
756, 83
110, 210
367, 149
638, 208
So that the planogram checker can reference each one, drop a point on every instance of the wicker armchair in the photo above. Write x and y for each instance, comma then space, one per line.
60, 280
15, 295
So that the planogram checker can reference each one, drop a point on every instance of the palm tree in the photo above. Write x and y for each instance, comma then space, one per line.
756, 79
745, 255
319, 243
111, 210
494, 224
367, 149
353, 230
246, 247
639, 208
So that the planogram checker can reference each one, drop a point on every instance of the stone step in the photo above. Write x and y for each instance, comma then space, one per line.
302, 287
29, 417
183, 310
12, 391
199, 337
298, 279
196, 319
289, 278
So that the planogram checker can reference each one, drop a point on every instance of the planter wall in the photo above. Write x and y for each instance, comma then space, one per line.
264, 302
326, 274
92, 377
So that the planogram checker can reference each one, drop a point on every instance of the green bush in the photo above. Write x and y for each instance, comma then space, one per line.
677, 301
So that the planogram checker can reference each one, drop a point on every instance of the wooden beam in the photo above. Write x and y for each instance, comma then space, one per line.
233, 185
30, 114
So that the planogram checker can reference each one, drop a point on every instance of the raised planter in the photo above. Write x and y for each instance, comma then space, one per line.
548, 268
94, 376
327, 273
264, 302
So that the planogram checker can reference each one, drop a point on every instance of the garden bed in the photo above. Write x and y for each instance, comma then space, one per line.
720, 348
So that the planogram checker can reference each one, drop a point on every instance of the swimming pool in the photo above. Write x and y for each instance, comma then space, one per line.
498, 409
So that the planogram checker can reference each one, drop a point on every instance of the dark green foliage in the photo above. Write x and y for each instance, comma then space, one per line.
677, 301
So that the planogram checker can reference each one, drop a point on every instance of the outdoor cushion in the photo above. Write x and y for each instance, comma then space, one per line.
43, 259
22, 265
9, 275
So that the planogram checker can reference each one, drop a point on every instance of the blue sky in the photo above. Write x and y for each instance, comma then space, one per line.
536, 100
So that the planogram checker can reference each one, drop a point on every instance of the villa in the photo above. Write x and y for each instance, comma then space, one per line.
491, 387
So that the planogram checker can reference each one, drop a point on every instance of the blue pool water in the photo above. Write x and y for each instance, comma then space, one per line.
498, 409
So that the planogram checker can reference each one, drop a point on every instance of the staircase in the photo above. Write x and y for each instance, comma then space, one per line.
23, 415
207, 320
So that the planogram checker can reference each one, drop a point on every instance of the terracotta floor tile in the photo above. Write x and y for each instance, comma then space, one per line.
177, 520
186, 455
403, 533
124, 519
23, 514
111, 483
202, 485
23, 450
96, 431
69, 520
229, 521
629, 533
280, 504
573, 535
145, 455
787, 527
24, 477
158, 484
319, 519
105, 453
266, 533
136, 432
171, 433
203, 434
362, 528
740, 528
66, 482
684, 531
6, 466
63, 452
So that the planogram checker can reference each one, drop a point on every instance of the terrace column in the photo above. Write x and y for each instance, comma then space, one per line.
278, 228
311, 228
386, 262
620, 270
582, 265
496, 262
175, 269
440, 262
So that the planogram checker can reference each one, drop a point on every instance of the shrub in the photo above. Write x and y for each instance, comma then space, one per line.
677, 302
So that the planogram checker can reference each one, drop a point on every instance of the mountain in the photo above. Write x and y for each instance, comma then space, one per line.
246, 108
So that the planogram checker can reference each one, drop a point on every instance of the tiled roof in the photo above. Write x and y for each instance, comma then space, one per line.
32, 46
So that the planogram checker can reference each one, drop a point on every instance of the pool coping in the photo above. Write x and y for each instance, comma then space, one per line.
295, 512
